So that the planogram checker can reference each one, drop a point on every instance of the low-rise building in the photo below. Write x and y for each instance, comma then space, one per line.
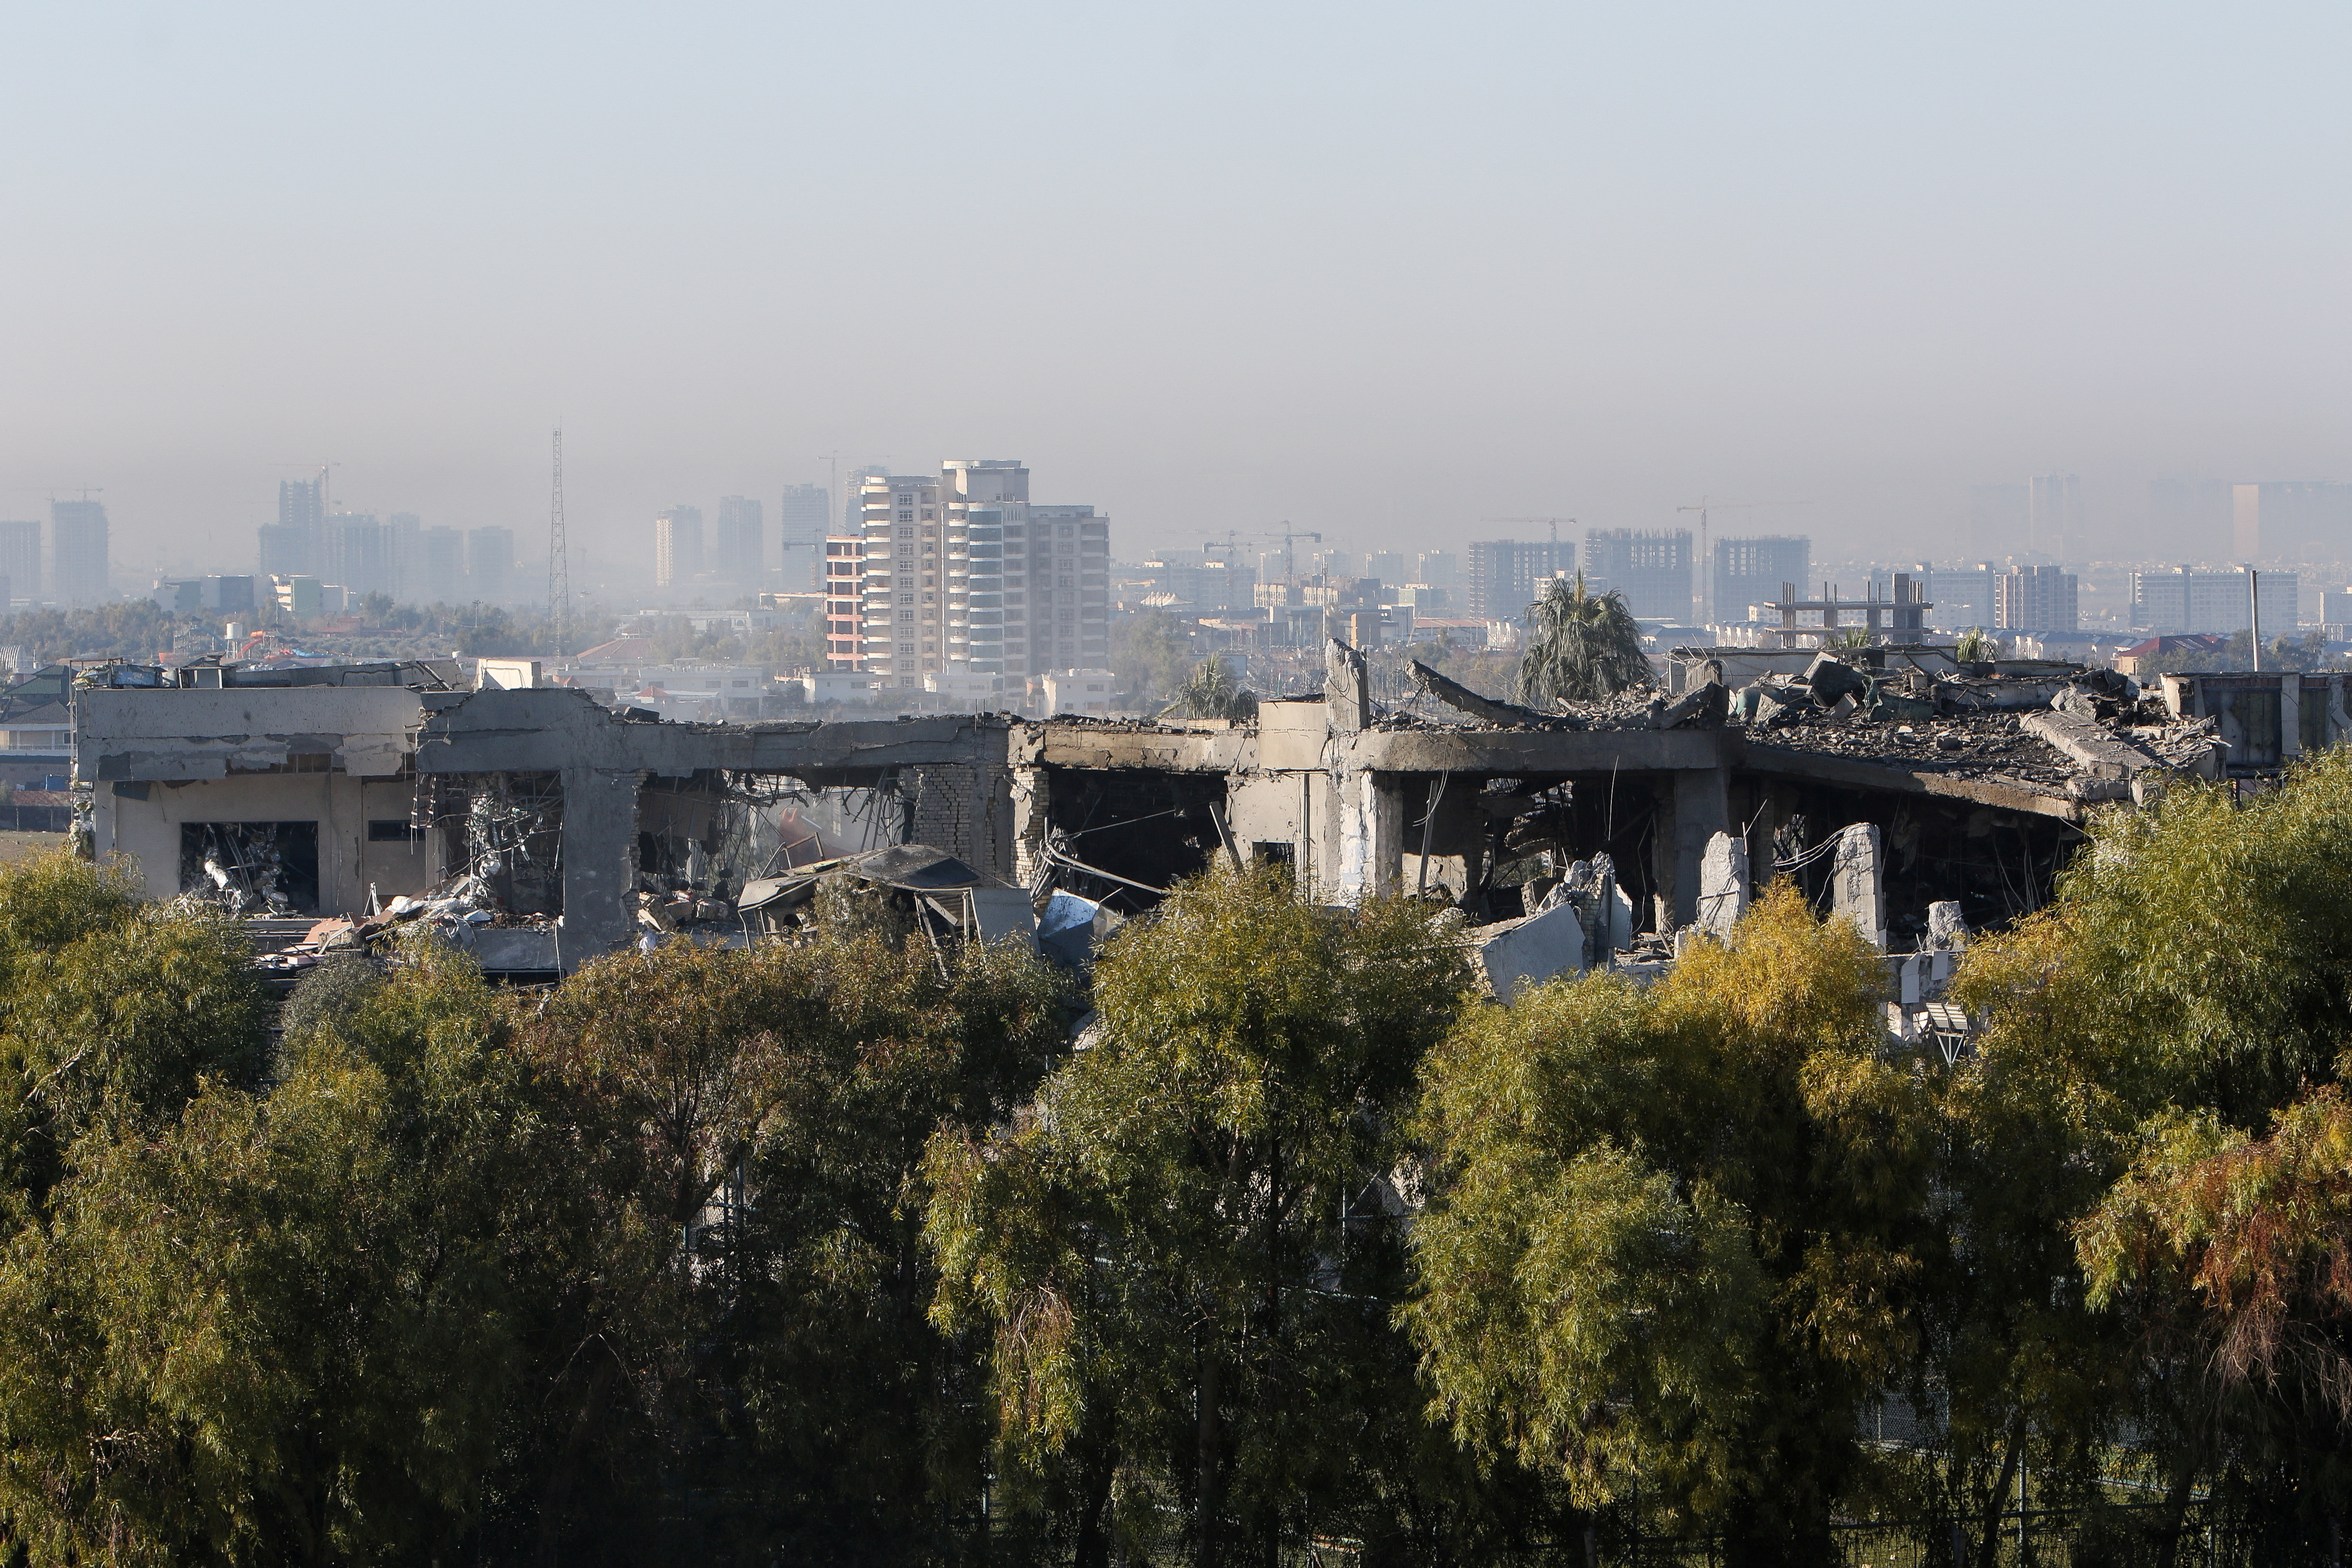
1085, 692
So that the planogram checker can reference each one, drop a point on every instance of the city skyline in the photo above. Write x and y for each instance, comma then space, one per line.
1493, 262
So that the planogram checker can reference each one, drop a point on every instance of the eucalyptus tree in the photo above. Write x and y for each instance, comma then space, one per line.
275, 1326
2180, 1010
1675, 1236
744, 1317
1185, 1251
107, 1000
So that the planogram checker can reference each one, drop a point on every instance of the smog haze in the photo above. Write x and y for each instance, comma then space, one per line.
1380, 271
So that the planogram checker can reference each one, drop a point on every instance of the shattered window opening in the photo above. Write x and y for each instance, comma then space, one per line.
252, 868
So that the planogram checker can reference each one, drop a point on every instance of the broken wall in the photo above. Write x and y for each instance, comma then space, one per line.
363, 828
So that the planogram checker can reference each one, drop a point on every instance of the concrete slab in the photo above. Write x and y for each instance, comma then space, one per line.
1528, 951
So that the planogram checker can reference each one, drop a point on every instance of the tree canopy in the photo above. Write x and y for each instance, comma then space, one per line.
1581, 646
1266, 1231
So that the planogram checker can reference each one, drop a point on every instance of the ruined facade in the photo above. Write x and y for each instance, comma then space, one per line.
1941, 795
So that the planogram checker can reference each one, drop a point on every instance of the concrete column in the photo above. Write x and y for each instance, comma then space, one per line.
1723, 885
2290, 688
1029, 801
599, 862
1372, 833
1346, 694
1702, 810
2338, 720
1859, 881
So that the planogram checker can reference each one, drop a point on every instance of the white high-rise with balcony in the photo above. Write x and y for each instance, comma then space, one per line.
966, 577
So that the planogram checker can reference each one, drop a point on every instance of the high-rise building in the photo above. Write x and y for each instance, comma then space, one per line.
1063, 584
302, 503
806, 517
78, 551
1746, 572
2289, 518
1998, 519
845, 603
1215, 578
678, 546
437, 571
20, 559
1967, 597
978, 481
905, 535
2034, 599
738, 543
361, 553
287, 550
1389, 566
401, 551
2184, 600
1439, 569
490, 565
296, 543
965, 576
1504, 574
852, 498
1652, 569
976, 586
2053, 522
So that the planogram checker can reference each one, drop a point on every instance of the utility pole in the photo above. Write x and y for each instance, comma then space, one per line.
559, 556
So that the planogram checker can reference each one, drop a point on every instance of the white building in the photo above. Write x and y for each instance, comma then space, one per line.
1088, 692
965, 576
2183, 600
905, 578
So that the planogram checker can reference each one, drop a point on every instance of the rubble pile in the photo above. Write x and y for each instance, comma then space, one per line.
453, 910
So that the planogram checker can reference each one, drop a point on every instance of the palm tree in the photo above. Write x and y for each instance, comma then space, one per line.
1580, 647
1209, 693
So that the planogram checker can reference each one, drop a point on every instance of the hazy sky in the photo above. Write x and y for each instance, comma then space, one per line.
1384, 271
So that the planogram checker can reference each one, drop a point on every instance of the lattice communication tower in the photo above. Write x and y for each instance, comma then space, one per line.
559, 559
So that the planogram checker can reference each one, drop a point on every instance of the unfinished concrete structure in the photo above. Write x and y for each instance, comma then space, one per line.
1940, 797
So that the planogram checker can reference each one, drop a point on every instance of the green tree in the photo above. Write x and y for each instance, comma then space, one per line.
106, 1000
1149, 653
1580, 647
1674, 1235
276, 1328
2130, 1026
744, 1312
1209, 692
1180, 1252
2252, 1237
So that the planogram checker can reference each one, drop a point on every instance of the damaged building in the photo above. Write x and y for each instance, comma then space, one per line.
1918, 795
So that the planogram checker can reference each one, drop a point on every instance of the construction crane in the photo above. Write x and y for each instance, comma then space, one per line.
1706, 598
1288, 534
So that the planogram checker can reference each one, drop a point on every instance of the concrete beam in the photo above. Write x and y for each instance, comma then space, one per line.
1162, 749
551, 730
2092, 745
2005, 794
1541, 750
